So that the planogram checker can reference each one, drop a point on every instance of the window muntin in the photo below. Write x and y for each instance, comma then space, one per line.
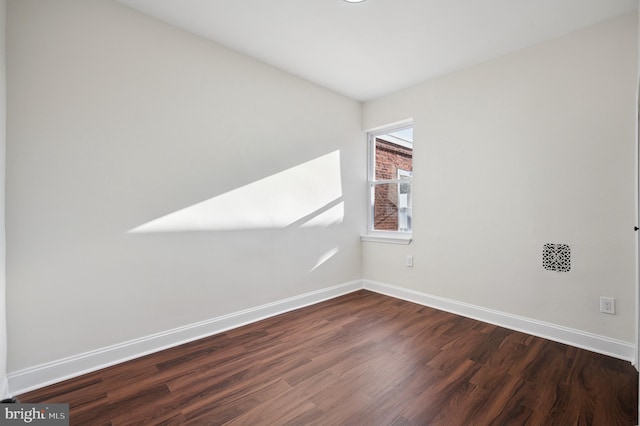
390, 178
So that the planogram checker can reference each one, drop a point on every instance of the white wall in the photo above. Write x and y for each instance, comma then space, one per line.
115, 120
535, 147
4, 389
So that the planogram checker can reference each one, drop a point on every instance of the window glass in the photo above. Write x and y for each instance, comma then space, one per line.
391, 173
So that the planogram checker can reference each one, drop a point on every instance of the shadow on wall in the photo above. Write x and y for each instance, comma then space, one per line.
306, 195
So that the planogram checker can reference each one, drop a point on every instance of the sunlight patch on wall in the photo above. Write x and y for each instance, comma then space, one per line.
332, 216
310, 191
325, 257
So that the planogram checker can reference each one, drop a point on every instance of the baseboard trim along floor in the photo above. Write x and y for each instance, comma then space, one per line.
581, 339
53, 372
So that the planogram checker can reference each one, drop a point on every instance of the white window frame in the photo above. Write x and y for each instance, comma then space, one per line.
404, 176
373, 235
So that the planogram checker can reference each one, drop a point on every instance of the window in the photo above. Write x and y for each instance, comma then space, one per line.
404, 192
390, 175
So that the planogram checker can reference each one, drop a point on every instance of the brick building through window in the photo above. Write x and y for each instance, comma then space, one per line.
393, 169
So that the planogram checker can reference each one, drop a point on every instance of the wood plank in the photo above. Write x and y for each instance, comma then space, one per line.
362, 358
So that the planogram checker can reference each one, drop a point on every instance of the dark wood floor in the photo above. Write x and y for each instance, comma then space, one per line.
361, 359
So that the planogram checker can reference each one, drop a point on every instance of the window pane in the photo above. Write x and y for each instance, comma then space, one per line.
404, 207
393, 152
391, 206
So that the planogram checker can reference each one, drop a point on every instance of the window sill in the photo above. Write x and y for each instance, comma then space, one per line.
388, 239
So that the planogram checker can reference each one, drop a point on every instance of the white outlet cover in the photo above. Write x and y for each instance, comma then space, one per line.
608, 305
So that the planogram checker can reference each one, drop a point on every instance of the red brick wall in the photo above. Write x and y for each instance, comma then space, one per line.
389, 158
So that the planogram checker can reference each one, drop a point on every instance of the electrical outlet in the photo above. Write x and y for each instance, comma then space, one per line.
409, 261
608, 305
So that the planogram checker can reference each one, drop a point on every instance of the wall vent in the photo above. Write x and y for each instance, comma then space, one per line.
556, 257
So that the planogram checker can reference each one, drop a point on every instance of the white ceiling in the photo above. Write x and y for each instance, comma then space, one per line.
369, 49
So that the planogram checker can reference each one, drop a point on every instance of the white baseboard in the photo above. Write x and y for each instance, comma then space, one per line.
53, 372
581, 339
56, 371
